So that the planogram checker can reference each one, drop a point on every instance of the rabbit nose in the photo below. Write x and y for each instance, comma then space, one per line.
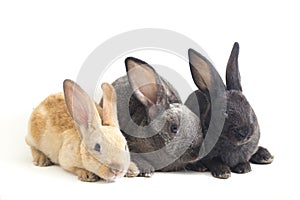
115, 169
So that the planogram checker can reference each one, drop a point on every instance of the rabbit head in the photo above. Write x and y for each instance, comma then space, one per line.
153, 118
240, 124
103, 148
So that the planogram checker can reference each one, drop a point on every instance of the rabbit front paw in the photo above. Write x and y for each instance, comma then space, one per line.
198, 167
218, 168
87, 176
242, 168
262, 156
222, 172
132, 171
146, 170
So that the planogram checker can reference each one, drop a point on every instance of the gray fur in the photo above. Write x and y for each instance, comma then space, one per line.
147, 134
239, 138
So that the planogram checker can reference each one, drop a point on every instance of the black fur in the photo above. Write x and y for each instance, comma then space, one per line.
238, 142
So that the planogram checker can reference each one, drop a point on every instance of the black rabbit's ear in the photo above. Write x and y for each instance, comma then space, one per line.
146, 85
233, 78
204, 74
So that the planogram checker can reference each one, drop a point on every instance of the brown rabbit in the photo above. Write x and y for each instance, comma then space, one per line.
66, 129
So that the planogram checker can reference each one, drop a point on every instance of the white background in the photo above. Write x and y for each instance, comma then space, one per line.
41, 44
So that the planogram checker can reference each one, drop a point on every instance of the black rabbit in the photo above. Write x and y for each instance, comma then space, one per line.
237, 144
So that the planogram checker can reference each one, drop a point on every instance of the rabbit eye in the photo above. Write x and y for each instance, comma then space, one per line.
174, 128
241, 132
97, 147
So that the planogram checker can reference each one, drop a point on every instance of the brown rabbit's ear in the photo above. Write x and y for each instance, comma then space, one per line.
109, 116
146, 85
80, 106
204, 74
233, 78
100, 110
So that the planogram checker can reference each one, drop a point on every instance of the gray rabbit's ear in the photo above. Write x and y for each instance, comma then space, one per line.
146, 85
204, 74
171, 94
233, 78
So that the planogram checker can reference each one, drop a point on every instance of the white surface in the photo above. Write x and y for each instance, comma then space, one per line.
43, 43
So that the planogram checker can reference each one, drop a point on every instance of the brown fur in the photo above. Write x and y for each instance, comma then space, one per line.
110, 109
55, 137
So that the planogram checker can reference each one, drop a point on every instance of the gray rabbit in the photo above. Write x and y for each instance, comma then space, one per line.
237, 145
162, 133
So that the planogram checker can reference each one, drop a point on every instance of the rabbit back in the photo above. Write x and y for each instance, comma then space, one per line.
50, 125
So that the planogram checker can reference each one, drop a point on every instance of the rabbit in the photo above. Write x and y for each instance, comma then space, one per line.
237, 145
161, 132
66, 129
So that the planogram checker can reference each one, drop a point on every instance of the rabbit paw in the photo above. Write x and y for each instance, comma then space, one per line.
222, 172
40, 159
132, 171
198, 167
218, 168
242, 168
262, 156
146, 172
145, 168
87, 176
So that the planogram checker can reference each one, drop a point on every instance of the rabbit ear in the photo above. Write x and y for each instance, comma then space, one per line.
146, 85
109, 116
80, 106
171, 94
233, 78
204, 74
